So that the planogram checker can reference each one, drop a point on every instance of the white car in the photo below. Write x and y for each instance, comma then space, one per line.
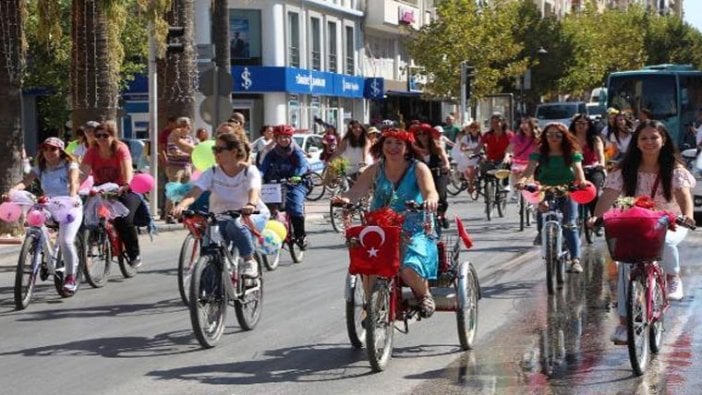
313, 147
561, 112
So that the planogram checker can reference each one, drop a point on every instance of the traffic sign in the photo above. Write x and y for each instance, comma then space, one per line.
217, 75
209, 107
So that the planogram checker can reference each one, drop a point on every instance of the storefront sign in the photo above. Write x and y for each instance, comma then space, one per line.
257, 79
374, 88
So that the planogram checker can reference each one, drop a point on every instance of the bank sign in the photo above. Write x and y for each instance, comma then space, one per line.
261, 79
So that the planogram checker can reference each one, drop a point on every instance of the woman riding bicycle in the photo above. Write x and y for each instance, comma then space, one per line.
651, 168
466, 144
286, 161
58, 175
234, 184
355, 147
495, 143
523, 143
559, 162
593, 153
395, 179
436, 159
109, 160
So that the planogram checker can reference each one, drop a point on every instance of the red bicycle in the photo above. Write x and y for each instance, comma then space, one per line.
638, 254
370, 320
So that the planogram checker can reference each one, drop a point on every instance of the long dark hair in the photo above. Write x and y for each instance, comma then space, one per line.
591, 136
111, 128
615, 129
568, 144
351, 138
667, 160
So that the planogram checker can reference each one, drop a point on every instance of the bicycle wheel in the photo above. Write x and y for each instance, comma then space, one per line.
455, 184
317, 190
522, 213
248, 307
189, 252
380, 328
26, 272
336, 216
475, 194
467, 292
489, 194
550, 255
657, 304
584, 218
271, 261
96, 257
128, 271
500, 199
355, 311
637, 327
208, 301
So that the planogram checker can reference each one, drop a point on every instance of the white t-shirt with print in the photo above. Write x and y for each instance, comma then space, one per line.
230, 193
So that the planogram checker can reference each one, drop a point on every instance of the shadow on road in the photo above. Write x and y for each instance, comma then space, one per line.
142, 309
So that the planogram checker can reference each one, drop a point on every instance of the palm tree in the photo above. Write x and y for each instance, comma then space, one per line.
220, 31
12, 64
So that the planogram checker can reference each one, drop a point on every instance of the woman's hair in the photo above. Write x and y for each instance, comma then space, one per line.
80, 134
615, 129
568, 144
667, 160
500, 118
234, 141
264, 128
111, 128
591, 135
41, 160
377, 148
431, 143
351, 138
534, 124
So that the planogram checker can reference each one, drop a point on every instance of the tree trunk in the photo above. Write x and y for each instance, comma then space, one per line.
12, 63
220, 31
94, 85
177, 73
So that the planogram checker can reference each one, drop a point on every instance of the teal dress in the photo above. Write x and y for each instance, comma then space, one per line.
419, 252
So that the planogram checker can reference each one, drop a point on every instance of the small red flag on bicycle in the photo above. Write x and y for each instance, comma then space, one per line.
463, 234
374, 250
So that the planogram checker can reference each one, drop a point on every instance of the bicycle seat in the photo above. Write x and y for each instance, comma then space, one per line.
500, 174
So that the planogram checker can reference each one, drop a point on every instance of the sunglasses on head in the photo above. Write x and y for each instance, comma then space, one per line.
102, 135
218, 150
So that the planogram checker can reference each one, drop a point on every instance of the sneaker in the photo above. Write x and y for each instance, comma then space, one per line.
302, 243
675, 288
537, 239
426, 306
619, 336
575, 266
135, 262
250, 269
70, 286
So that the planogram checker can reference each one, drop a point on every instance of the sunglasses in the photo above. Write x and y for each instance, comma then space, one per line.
555, 135
101, 135
219, 150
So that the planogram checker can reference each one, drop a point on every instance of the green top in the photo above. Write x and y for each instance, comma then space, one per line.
554, 171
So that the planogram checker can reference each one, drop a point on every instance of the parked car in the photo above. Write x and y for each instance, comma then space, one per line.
313, 147
595, 111
559, 112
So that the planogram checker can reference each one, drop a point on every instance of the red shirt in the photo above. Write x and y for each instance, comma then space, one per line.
163, 137
107, 169
495, 146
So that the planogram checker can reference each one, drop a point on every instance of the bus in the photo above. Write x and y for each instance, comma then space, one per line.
672, 92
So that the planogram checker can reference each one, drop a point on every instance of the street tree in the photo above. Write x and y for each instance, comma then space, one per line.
670, 40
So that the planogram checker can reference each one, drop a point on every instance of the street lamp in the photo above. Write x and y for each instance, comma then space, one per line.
522, 104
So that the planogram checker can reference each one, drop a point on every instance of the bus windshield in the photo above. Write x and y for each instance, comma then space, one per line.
657, 93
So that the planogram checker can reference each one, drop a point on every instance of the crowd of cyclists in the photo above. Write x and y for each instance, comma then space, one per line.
394, 163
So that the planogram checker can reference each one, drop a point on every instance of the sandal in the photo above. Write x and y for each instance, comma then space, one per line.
426, 306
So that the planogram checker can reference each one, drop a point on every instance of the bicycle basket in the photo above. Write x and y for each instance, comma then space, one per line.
374, 250
635, 239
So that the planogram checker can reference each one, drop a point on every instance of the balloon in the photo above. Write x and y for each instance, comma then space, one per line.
270, 243
195, 175
584, 196
71, 147
532, 197
202, 156
142, 183
278, 228
87, 184
10, 212
36, 217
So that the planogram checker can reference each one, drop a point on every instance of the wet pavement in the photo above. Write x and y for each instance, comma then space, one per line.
559, 344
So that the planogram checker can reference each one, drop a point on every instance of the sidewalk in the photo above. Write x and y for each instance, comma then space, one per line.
314, 211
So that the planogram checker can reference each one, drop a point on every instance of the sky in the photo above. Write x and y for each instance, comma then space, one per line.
693, 13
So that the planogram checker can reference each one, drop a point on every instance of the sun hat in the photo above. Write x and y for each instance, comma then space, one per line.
54, 142
373, 130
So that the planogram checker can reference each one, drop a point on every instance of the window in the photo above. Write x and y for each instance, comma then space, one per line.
245, 36
332, 61
350, 51
316, 43
293, 39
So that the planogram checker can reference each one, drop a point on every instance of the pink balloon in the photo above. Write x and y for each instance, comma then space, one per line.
36, 218
584, 196
10, 212
531, 197
196, 174
87, 184
142, 183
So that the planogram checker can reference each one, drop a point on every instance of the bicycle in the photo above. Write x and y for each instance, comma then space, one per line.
584, 209
189, 252
494, 192
41, 257
458, 183
316, 187
647, 289
275, 200
370, 321
526, 211
217, 282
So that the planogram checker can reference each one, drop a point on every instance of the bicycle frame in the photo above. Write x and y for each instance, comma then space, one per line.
49, 250
553, 217
651, 272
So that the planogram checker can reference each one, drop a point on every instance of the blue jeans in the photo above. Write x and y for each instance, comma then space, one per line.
235, 232
570, 217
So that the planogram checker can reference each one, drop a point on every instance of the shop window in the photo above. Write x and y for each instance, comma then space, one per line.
293, 39
316, 33
245, 36
350, 52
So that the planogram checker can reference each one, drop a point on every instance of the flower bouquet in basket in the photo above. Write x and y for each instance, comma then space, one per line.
336, 169
374, 248
635, 230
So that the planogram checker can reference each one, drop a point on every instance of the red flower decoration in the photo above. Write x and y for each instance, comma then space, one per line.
645, 202
384, 217
399, 134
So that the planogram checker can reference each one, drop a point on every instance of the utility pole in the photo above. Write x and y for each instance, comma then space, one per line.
153, 117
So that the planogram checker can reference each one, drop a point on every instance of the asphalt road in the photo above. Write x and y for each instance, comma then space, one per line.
134, 336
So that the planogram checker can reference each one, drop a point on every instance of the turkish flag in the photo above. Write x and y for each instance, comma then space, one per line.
463, 234
374, 250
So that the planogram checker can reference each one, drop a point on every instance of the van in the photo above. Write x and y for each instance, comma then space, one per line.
562, 112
